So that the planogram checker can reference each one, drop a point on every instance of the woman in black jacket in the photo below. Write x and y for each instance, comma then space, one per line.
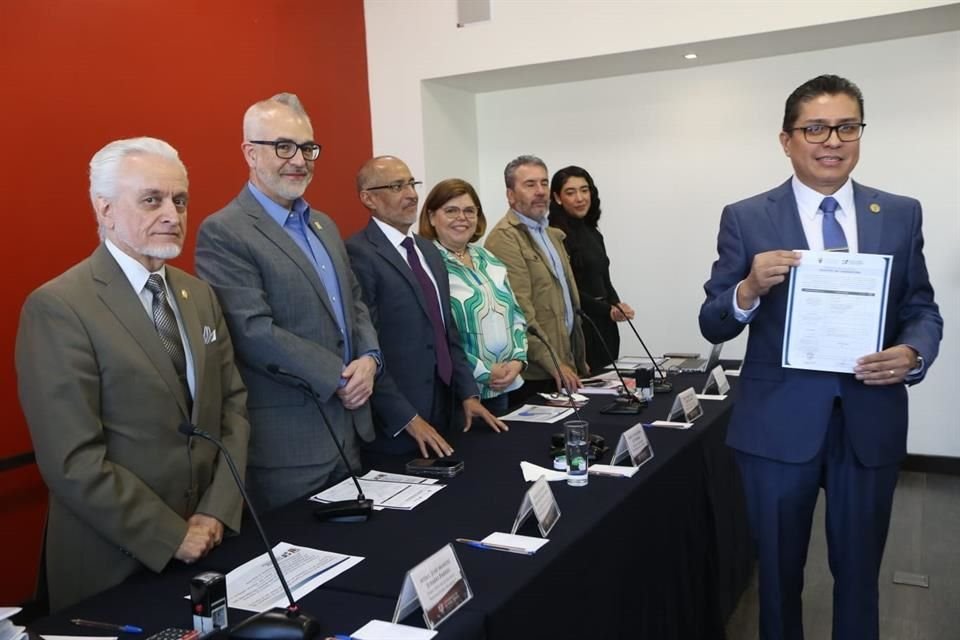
575, 209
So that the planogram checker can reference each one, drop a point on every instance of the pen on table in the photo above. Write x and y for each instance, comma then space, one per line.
479, 544
607, 474
123, 628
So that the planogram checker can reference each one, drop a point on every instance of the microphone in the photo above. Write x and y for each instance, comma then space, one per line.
626, 403
358, 510
284, 624
556, 363
664, 386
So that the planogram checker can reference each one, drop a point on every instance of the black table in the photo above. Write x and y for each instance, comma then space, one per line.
662, 555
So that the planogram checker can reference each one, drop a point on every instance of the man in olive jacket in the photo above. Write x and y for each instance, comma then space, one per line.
539, 271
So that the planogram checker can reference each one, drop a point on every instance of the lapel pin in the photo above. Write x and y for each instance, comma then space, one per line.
874, 207
184, 294
317, 225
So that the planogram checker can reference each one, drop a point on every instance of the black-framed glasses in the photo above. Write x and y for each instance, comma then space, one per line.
286, 149
818, 133
452, 213
397, 187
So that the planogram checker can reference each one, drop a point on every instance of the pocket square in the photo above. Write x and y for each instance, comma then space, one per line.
209, 335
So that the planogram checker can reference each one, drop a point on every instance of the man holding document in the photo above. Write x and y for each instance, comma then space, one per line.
810, 414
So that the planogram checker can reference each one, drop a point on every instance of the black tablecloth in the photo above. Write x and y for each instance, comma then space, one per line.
662, 555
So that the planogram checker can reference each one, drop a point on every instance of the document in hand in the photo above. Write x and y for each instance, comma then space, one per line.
836, 308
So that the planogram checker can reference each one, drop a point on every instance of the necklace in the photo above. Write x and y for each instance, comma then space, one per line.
461, 255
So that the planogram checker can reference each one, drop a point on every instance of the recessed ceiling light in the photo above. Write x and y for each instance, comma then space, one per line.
690, 56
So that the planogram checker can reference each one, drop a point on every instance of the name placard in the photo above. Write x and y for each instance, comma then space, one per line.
437, 585
687, 405
540, 501
634, 445
717, 380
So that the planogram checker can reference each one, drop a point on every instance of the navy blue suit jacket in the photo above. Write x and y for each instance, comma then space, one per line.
781, 413
399, 313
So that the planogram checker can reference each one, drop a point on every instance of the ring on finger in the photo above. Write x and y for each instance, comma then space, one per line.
892, 373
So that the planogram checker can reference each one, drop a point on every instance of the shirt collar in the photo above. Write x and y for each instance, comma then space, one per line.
393, 235
808, 200
542, 223
135, 272
274, 210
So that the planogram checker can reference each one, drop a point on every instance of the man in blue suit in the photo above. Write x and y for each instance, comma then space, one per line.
405, 286
794, 430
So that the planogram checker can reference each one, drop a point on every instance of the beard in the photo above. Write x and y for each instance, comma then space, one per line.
157, 249
275, 183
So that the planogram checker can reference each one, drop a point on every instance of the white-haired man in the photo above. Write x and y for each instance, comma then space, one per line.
112, 356
291, 300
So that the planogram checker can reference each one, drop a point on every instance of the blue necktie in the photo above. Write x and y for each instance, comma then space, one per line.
834, 239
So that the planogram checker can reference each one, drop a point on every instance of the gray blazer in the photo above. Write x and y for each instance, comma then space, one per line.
279, 313
103, 403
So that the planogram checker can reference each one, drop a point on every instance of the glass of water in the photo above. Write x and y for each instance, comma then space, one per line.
577, 437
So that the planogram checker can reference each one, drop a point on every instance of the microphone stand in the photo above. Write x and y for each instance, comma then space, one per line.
358, 510
626, 403
556, 363
277, 623
664, 386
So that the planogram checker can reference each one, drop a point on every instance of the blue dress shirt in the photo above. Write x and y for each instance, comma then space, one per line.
538, 229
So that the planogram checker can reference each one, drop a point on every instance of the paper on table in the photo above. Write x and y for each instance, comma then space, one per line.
527, 543
384, 476
612, 470
49, 637
709, 396
253, 586
532, 472
671, 425
538, 413
732, 372
392, 495
9, 612
380, 630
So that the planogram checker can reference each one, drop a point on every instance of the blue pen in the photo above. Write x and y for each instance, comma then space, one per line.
479, 544
122, 628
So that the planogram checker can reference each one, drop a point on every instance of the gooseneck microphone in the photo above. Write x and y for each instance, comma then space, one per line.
556, 363
284, 624
358, 510
663, 386
625, 403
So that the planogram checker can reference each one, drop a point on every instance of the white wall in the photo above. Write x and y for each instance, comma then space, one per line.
409, 41
668, 149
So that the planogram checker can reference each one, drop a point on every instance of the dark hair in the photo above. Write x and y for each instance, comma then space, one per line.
558, 215
826, 84
510, 171
442, 193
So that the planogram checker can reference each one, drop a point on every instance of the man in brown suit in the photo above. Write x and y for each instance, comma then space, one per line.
541, 278
112, 356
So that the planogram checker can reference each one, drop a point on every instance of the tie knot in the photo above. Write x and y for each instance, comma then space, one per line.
829, 205
155, 284
407, 243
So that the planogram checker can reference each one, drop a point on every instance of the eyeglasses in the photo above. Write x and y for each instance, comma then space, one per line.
397, 187
452, 213
286, 149
818, 133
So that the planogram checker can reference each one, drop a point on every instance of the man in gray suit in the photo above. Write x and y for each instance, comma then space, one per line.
112, 357
282, 275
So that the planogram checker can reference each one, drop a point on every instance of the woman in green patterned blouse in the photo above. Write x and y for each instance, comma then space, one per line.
491, 324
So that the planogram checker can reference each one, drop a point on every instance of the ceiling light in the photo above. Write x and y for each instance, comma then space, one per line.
690, 56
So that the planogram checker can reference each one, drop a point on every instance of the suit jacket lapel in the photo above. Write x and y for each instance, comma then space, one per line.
869, 223
276, 234
534, 245
192, 326
340, 267
391, 255
116, 293
783, 214
439, 270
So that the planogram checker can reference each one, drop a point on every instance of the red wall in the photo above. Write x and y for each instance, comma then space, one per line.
75, 74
